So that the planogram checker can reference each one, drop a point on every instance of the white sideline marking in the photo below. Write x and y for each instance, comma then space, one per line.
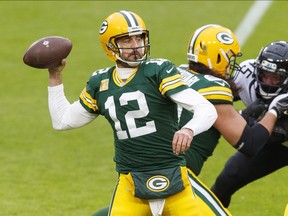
251, 19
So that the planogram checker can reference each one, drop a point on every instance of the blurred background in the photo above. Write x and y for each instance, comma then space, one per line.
45, 172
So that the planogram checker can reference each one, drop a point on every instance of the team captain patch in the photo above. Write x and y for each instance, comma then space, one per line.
104, 85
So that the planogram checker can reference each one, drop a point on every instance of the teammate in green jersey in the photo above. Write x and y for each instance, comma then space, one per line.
212, 53
212, 56
139, 97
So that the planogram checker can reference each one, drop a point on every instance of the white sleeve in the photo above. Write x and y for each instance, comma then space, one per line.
245, 81
205, 113
64, 115
276, 99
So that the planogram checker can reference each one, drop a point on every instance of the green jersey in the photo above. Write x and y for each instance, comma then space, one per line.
139, 110
217, 91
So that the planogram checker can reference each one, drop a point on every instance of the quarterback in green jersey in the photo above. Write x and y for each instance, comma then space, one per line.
139, 97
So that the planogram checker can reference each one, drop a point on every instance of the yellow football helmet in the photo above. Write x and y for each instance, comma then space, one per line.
119, 24
215, 47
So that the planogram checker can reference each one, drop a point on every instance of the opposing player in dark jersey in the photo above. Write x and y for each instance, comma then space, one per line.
139, 98
266, 79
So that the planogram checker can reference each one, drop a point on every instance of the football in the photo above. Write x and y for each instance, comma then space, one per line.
47, 52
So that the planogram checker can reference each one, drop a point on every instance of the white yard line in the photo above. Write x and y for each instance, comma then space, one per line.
251, 19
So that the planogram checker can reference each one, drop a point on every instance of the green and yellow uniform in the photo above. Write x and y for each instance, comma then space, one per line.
158, 80
144, 121
143, 118
217, 91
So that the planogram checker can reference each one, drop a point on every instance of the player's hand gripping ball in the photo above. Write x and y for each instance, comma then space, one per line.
47, 52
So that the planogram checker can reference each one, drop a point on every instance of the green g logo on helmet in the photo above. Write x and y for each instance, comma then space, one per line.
225, 38
103, 27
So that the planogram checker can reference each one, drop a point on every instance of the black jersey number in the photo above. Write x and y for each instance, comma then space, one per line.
130, 116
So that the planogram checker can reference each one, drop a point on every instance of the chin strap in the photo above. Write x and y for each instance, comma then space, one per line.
157, 206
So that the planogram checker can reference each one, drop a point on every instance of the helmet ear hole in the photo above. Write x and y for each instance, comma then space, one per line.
218, 58
201, 45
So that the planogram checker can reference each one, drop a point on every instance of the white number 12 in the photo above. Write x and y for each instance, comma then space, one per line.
130, 116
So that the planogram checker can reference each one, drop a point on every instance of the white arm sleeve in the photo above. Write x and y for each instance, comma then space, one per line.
276, 99
245, 81
64, 115
205, 113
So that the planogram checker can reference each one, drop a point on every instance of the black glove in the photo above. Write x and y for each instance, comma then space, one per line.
254, 110
281, 107
280, 131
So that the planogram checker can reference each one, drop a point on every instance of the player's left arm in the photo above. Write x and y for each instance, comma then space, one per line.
203, 118
172, 85
204, 112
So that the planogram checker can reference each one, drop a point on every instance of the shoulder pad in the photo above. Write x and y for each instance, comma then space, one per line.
99, 75
217, 81
101, 71
158, 61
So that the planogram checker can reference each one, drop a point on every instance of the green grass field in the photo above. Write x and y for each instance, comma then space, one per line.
49, 173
